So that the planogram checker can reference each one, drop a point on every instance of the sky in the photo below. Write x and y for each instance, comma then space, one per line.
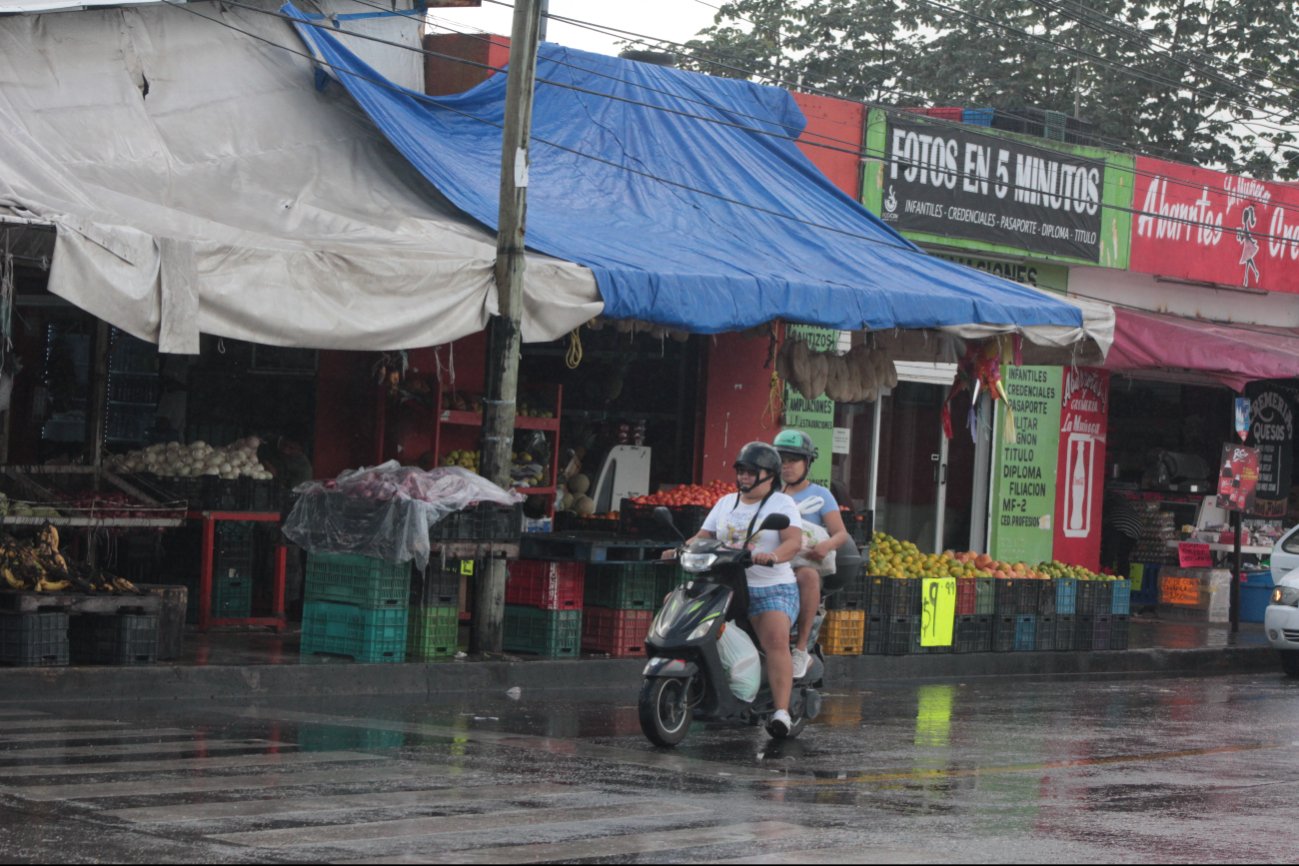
672, 20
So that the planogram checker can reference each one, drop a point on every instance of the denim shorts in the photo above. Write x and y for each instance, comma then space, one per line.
782, 597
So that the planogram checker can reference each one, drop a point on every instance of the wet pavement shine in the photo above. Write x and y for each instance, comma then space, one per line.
1065, 770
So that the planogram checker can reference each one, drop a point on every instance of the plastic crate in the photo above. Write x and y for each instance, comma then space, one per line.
567, 521
1016, 596
1025, 633
624, 585
1065, 638
124, 639
233, 549
363, 634
432, 632
898, 638
1120, 631
360, 580
545, 584
549, 633
232, 597
439, 584
1066, 596
1045, 598
947, 113
486, 521
1003, 632
917, 634
618, 632
877, 632
843, 633
902, 596
875, 599
1093, 597
966, 596
977, 116
1121, 598
1044, 641
638, 520
34, 639
1101, 628
853, 595
1148, 594
973, 634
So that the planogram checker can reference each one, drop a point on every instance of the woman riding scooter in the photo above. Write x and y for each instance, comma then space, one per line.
797, 453
773, 590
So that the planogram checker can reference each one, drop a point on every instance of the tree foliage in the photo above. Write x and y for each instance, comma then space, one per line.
1209, 82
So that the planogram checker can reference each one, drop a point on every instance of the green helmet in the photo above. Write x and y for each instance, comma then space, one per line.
796, 443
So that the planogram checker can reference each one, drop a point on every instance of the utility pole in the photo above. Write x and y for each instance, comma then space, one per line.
504, 335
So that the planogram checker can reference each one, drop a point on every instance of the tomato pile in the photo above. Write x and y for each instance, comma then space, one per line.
689, 494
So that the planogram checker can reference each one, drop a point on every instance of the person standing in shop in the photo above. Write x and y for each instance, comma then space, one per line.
818, 507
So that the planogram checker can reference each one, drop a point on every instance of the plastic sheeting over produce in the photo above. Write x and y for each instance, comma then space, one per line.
385, 511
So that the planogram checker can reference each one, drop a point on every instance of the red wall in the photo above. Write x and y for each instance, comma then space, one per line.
442, 75
838, 125
346, 409
735, 398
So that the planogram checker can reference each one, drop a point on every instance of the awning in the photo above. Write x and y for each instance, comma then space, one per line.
199, 182
1178, 347
686, 197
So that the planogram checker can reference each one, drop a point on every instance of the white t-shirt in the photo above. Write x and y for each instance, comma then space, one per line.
729, 522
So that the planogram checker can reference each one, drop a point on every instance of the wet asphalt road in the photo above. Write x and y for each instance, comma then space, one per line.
1117, 770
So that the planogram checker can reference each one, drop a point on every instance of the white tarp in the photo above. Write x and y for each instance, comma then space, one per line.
199, 182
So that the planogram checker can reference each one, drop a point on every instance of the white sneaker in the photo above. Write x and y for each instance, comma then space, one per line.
780, 724
801, 661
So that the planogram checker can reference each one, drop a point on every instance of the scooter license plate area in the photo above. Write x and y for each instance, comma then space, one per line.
665, 667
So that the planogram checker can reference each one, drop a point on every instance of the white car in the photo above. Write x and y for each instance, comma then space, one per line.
1281, 620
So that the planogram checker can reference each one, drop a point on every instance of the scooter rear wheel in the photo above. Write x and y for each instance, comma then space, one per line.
664, 712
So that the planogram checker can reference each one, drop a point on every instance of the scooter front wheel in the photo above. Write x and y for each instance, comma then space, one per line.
664, 712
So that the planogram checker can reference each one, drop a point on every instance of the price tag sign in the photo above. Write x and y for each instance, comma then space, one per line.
1183, 591
1194, 555
1137, 574
937, 611
467, 567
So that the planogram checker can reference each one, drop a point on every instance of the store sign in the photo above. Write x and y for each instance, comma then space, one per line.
967, 184
1207, 226
1272, 428
1081, 468
814, 417
1024, 481
1237, 478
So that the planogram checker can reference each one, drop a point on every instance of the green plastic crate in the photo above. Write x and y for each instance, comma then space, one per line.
549, 633
625, 585
364, 634
360, 580
232, 597
433, 632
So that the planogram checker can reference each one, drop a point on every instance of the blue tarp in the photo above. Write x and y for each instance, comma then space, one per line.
667, 186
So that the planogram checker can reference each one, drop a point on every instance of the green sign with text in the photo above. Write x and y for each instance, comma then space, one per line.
1024, 472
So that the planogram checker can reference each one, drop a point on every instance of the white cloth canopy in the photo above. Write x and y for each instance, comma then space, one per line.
200, 183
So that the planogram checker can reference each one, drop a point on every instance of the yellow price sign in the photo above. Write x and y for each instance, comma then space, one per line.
467, 567
1137, 574
937, 611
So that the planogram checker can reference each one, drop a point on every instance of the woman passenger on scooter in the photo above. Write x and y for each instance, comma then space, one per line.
797, 453
773, 590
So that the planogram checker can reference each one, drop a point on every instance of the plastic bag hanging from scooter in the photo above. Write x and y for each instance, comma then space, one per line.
741, 661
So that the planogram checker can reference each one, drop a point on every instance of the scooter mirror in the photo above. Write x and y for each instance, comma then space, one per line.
775, 521
663, 517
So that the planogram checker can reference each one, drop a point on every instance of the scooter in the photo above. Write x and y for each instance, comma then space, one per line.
684, 678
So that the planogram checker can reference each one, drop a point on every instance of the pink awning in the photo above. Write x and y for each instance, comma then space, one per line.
1230, 354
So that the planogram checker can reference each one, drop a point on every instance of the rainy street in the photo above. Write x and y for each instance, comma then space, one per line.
1009, 770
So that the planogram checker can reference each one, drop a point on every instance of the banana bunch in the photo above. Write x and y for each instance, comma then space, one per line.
37, 565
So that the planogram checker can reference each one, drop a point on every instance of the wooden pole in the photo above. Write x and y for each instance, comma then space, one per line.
504, 335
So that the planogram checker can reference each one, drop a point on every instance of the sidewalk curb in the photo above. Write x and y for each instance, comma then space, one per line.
190, 682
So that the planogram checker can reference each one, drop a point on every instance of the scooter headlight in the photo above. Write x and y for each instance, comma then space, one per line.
1287, 595
703, 628
697, 562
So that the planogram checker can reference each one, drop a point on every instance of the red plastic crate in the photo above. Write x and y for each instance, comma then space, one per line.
545, 584
947, 113
966, 596
620, 633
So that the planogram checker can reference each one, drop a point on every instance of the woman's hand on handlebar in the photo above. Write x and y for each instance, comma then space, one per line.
670, 553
